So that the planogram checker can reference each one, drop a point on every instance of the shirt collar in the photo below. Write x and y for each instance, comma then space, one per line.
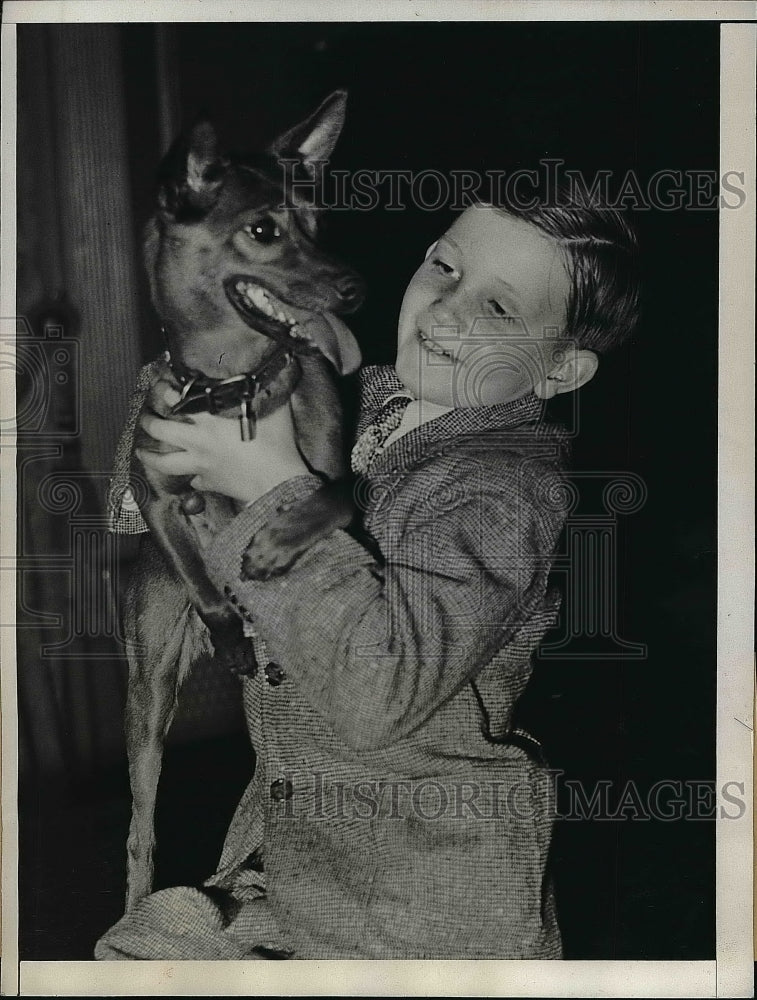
377, 382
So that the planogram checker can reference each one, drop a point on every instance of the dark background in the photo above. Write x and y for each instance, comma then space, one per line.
481, 96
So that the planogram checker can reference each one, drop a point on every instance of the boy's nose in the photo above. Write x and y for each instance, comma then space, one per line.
444, 313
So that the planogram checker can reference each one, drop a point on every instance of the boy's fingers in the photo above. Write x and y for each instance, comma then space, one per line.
167, 393
170, 396
170, 431
174, 463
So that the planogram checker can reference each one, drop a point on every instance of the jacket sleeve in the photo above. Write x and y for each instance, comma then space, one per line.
124, 516
377, 648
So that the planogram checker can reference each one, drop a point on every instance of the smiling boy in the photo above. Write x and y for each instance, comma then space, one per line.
394, 811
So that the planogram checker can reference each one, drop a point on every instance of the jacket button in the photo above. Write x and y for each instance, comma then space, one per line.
274, 674
281, 789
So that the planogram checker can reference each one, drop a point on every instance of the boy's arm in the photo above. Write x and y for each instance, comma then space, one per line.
375, 649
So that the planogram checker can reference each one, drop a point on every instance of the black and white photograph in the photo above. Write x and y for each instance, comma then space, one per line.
381, 578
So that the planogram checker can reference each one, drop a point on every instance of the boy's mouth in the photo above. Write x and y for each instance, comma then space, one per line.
430, 345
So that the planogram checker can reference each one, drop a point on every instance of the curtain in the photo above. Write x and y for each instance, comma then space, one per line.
80, 327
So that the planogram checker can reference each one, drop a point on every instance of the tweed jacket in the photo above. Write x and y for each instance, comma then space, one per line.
392, 813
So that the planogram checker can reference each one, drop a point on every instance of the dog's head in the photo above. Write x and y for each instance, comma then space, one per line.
232, 258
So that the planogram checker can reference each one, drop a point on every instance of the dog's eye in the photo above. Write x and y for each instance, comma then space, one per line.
263, 230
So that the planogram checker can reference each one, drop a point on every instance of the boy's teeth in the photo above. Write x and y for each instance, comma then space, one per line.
432, 346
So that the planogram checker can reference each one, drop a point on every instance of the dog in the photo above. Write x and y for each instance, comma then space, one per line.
249, 307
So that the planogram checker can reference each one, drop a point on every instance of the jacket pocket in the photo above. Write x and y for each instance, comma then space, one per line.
462, 870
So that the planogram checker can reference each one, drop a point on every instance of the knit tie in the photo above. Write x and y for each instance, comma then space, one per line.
372, 441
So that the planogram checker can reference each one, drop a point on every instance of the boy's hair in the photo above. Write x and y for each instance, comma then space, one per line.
602, 253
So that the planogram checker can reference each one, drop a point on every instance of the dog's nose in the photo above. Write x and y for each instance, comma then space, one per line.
350, 291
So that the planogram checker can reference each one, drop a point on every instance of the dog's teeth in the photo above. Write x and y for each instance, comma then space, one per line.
258, 297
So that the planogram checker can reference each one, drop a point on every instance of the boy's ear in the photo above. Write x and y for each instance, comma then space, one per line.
578, 368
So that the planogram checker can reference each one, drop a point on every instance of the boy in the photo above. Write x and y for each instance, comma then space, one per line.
394, 812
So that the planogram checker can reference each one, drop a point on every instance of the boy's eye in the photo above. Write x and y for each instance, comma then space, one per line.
439, 264
500, 310
446, 269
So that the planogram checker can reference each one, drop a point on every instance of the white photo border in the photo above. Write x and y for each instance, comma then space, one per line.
731, 974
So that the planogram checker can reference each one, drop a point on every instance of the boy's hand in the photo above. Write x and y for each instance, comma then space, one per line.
210, 449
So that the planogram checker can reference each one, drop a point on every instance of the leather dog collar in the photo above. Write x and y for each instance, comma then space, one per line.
201, 394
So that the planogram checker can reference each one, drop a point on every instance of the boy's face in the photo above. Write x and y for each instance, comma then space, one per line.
481, 319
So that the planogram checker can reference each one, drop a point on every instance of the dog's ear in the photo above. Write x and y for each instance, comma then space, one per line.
313, 140
191, 174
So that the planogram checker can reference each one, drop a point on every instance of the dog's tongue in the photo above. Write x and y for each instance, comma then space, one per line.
339, 346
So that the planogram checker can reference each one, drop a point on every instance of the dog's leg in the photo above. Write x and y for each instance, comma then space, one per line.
316, 411
291, 532
178, 542
176, 538
164, 638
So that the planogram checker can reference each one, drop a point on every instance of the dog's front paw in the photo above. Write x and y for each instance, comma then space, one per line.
233, 651
271, 552
294, 529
